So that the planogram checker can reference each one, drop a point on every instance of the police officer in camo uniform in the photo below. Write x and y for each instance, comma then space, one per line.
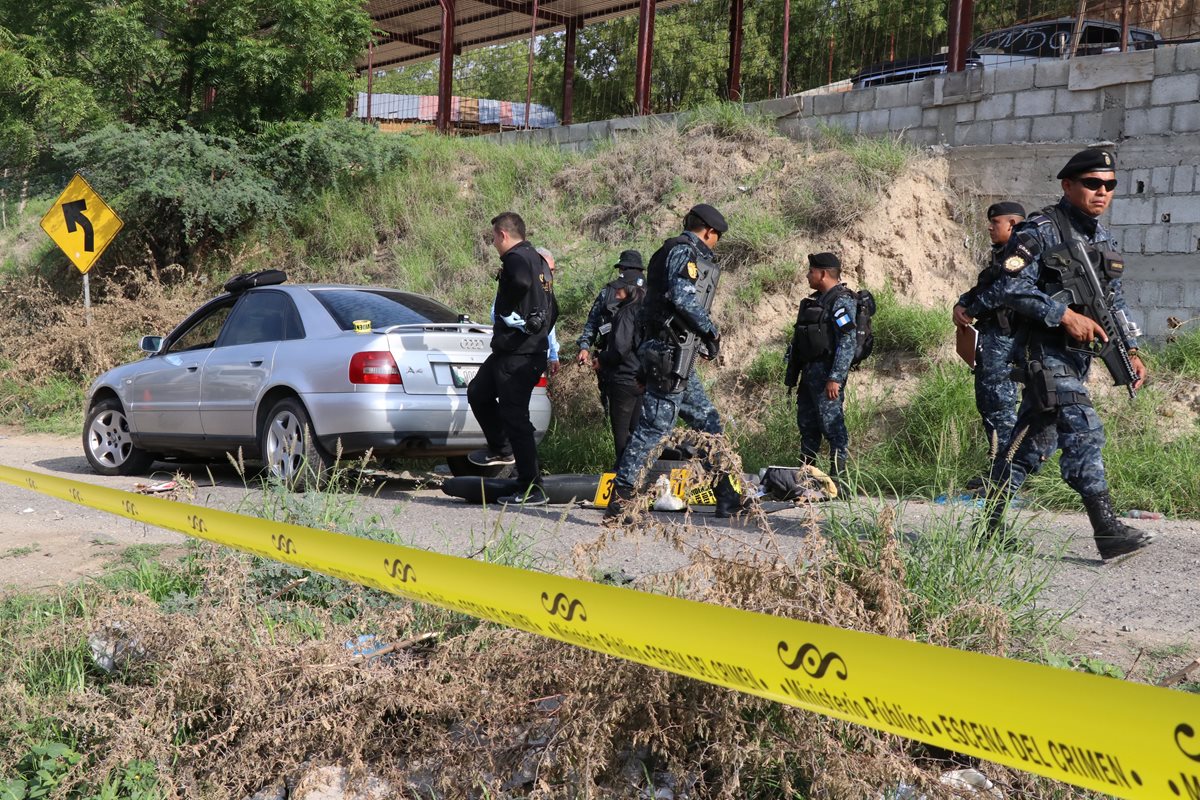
1056, 410
671, 291
996, 349
822, 348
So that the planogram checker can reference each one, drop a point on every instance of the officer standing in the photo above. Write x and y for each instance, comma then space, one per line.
822, 349
1056, 410
671, 294
996, 349
617, 363
525, 311
599, 317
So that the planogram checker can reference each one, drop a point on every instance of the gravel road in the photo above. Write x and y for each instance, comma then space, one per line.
1150, 602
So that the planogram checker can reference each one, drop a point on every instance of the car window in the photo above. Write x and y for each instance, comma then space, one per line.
262, 317
1098, 38
201, 332
382, 307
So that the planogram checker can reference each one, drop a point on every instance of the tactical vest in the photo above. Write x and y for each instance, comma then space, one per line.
815, 334
1111, 264
656, 306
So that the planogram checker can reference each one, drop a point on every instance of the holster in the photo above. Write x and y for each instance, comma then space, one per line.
656, 367
1043, 390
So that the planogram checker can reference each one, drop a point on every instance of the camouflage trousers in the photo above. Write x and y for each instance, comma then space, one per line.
1073, 427
820, 418
995, 392
659, 412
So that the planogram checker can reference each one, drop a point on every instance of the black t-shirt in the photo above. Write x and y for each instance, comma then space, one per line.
526, 287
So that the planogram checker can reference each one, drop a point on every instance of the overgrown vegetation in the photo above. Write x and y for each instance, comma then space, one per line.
227, 674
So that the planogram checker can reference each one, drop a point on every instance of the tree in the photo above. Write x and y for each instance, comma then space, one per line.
224, 66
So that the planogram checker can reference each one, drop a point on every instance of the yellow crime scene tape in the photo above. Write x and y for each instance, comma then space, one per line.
1126, 739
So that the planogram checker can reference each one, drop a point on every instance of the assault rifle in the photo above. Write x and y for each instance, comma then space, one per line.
1080, 287
684, 342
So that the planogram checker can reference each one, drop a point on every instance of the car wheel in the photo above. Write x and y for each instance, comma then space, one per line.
290, 452
461, 467
107, 444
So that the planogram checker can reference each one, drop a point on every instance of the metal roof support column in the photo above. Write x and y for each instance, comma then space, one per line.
370, 76
445, 66
737, 10
569, 70
961, 13
645, 56
1124, 25
787, 23
529, 84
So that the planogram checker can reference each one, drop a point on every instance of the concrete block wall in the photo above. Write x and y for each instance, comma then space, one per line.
1008, 130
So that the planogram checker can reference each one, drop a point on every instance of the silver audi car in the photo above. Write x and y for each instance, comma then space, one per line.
293, 374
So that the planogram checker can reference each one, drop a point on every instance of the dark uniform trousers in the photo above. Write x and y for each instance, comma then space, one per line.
1074, 427
658, 415
995, 391
819, 418
624, 410
499, 397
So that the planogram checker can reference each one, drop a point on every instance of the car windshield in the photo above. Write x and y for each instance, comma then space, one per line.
382, 308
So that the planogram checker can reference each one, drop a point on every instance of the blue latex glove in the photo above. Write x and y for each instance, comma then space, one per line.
514, 320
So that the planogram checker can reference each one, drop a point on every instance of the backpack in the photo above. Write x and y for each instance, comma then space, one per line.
864, 337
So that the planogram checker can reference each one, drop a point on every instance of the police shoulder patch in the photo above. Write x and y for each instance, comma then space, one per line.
1015, 263
693, 272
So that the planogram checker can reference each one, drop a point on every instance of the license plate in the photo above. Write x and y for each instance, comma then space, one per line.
463, 375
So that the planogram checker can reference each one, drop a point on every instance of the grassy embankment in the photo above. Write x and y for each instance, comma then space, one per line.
197, 710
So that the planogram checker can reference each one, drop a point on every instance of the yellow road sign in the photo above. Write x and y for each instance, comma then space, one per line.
81, 223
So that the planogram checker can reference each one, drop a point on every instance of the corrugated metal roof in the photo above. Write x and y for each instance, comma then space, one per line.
412, 28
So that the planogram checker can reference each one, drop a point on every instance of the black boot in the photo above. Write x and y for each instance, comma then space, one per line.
729, 499
839, 473
617, 505
996, 530
1113, 537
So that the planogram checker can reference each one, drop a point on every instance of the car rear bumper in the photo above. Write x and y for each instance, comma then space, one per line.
394, 423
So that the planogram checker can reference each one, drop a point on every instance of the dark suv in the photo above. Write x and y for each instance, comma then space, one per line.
1027, 42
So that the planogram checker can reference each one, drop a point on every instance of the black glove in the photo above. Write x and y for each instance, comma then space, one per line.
713, 345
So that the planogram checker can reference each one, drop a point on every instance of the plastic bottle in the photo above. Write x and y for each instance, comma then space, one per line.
1137, 513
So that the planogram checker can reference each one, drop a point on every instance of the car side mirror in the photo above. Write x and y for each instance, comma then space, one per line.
151, 344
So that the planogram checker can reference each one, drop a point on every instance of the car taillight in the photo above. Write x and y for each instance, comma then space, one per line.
542, 382
374, 366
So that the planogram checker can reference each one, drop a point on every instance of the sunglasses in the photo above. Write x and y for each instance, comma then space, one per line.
1095, 183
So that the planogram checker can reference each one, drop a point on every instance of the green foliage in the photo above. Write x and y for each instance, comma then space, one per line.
729, 121
51, 769
1082, 663
908, 328
304, 158
1181, 355
221, 67
53, 404
768, 368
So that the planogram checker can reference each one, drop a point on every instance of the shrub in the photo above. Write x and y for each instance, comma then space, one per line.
1181, 355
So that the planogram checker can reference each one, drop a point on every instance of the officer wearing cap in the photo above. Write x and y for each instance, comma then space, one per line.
822, 348
600, 318
617, 361
671, 294
1056, 410
996, 346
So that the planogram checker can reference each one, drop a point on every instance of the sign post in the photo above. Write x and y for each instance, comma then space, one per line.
82, 225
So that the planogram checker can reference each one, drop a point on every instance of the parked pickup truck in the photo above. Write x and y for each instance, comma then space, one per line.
1028, 42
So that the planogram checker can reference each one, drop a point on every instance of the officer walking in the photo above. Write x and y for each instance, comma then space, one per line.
525, 311
996, 349
822, 349
1056, 410
673, 389
599, 317
617, 363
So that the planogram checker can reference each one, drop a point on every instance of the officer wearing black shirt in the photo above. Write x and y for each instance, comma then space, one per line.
499, 394
617, 362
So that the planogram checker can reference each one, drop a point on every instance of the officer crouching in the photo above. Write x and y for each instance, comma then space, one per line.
820, 355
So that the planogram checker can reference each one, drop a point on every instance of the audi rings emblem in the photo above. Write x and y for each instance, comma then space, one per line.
472, 344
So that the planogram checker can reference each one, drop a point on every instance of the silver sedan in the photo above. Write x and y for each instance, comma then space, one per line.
297, 376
